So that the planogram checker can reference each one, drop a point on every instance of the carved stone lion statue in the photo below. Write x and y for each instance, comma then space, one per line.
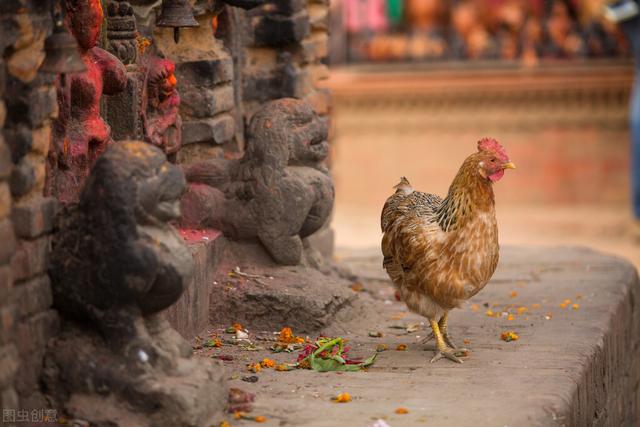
116, 264
279, 192
134, 264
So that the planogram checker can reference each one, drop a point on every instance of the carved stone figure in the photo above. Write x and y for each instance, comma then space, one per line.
278, 193
162, 122
116, 264
148, 108
122, 31
143, 263
80, 134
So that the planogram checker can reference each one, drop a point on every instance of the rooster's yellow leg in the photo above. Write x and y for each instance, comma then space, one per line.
443, 328
442, 349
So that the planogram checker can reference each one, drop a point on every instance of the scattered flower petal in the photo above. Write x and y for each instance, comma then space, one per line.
267, 363
342, 398
509, 336
401, 347
402, 411
254, 367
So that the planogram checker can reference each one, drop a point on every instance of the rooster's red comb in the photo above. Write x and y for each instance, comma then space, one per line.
490, 144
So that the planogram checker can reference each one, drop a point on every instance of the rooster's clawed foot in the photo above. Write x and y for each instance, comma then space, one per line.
452, 354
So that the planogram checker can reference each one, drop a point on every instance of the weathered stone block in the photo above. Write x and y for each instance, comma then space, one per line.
9, 398
32, 333
8, 365
5, 283
218, 130
5, 160
33, 296
288, 81
202, 102
8, 239
5, 200
281, 30
40, 139
123, 112
19, 139
43, 105
206, 73
318, 72
35, 218
190, 314
289, 7
23, 179
7, 324
31, 258
318, 17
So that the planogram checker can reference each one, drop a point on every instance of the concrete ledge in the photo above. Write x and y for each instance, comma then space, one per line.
570, 367
190, 314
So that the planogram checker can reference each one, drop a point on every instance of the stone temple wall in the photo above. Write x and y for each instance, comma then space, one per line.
273, 51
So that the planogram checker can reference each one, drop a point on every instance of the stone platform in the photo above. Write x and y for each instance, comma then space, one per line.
570, 366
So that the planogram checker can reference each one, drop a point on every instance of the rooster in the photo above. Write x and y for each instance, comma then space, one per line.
441, 252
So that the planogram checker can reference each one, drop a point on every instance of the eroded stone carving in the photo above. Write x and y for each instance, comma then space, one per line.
278, 193
80, 134
162, 122
116, 264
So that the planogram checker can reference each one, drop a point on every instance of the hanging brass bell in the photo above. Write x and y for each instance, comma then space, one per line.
176, 14
61, 53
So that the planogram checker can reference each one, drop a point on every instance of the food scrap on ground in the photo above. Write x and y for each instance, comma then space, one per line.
509, 336
376, 334
215, 342
402, 411
330, 354
401, 347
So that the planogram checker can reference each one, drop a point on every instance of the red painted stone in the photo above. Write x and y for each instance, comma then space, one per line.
192, 235
80, 134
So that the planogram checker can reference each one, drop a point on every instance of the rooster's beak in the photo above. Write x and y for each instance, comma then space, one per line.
508, 165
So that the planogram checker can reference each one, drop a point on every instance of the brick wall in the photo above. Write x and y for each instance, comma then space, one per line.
27, 106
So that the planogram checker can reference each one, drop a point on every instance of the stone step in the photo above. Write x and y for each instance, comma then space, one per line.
571, 367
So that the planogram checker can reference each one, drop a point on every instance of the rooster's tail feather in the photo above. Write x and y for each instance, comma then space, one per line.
404, 186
